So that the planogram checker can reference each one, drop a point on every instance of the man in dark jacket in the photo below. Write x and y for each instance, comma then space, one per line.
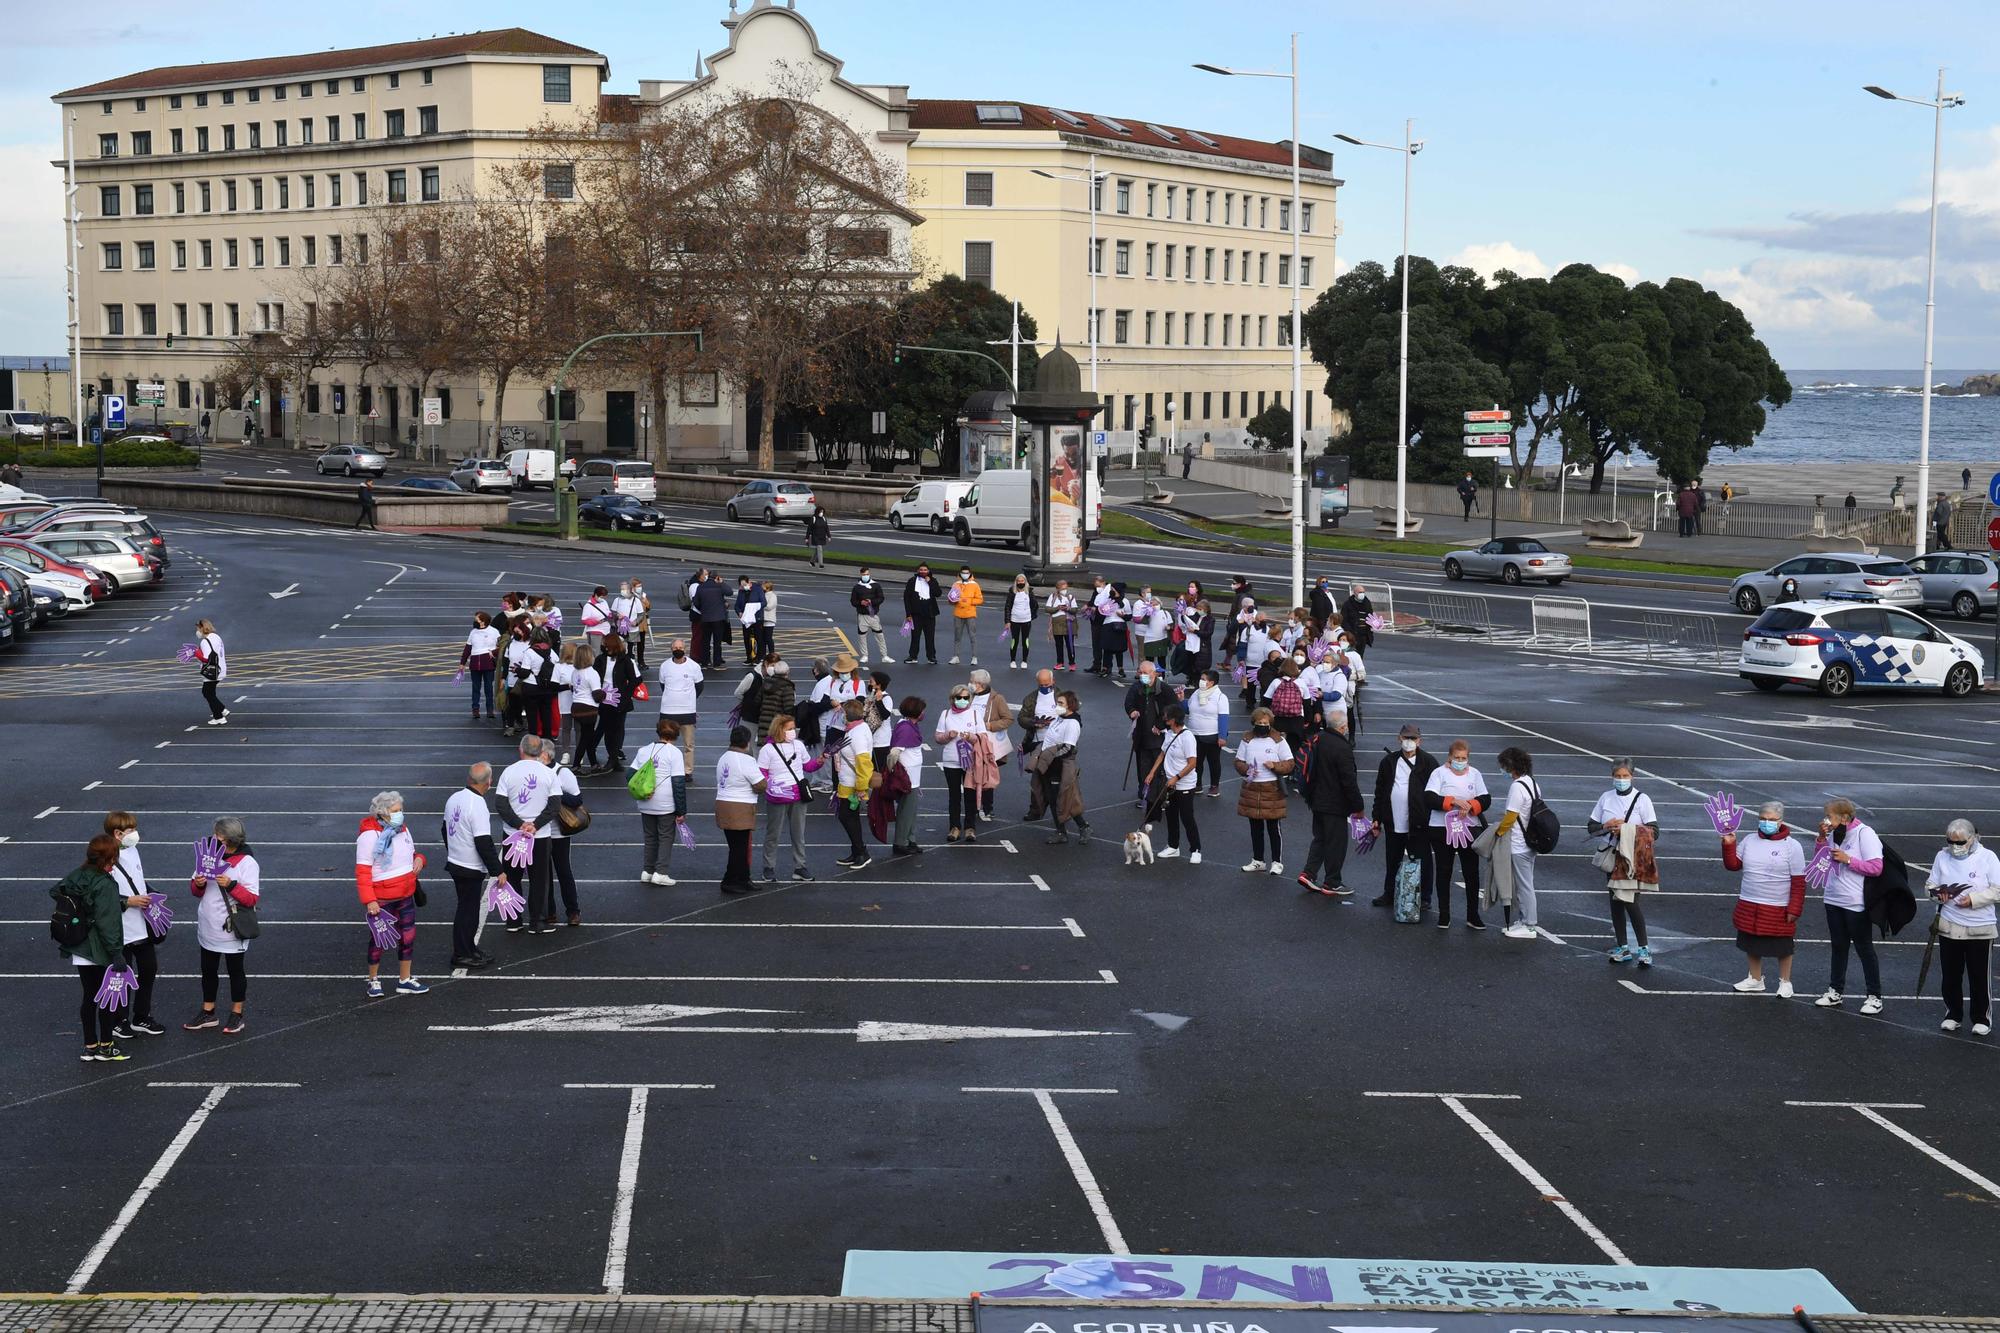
1468, 493
1354, 613
1146, 702
866, 597
1333, 793
711, 607
920, 604
365, 493
1399, 794
1320, 604
1239, 589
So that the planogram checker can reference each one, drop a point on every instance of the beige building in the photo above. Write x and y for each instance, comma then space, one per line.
1193, 256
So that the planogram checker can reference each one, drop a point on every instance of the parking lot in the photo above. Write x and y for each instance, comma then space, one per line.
1004, 1047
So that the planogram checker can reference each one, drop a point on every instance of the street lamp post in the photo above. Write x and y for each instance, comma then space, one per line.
1938, 106
1409, 148
1095, 180
1298, 340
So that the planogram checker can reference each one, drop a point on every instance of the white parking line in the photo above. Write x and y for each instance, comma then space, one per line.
628, 1174
1079, 1167
1872, 1111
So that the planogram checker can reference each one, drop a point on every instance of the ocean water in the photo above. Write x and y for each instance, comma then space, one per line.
1859, 416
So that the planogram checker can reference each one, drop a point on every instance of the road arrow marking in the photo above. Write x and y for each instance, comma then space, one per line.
649, 1018
289, 592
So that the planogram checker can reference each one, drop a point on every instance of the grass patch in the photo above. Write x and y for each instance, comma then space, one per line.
115, 455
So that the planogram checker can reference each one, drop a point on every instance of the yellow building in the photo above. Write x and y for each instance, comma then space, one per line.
1192, 260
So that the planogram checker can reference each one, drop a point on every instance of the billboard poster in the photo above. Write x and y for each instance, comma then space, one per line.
1067, 464
1330, 490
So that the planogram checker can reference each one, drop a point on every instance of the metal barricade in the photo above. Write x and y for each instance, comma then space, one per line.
1669, 634
1455, 612
1562, 622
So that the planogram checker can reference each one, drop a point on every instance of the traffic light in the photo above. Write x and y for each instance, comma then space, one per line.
89, 392
170, 340
1145, 435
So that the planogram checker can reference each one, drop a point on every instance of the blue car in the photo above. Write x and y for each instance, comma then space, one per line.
1838, 646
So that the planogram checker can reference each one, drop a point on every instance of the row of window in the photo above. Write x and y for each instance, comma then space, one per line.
185, 397
146, 320
145, 254
555, 88
395, 125
1236, 329
1235, 263
1215, 406
396, 183
1181, 202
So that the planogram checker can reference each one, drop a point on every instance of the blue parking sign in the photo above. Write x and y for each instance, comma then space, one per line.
1993, 489
114, 411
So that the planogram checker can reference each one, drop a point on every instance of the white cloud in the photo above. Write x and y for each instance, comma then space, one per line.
1490, 257
1625, 272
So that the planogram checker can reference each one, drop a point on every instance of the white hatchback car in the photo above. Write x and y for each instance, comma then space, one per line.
1837, 646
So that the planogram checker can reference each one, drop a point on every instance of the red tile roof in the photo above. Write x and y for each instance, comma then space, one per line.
928, 114
500, 41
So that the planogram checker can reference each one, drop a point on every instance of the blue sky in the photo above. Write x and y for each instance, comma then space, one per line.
1723, 140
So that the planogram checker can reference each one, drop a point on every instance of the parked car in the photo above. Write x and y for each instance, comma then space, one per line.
605, 476
430, 484
1807, 577
19, 515
620, 513
482, 474
351, 460
529, 468
23, 425
771, 501
1965, 582
999, 507
49, 603
118, 558
60, 428
18, 602
81, 586
1836, 645
72, 519
929, 504
1511, 560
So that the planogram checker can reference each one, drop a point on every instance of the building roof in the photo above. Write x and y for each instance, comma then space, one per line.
500, 41
998, 114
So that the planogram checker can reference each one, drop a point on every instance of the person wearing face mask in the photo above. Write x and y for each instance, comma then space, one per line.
140, 954
1176, 774
596, 618
1398, 813
569, 794
625, 613
478, 657
965, 597
614, 670
1152, 626
1197, 626
1354, 613
536, 682
471, 860
1262, 758
1857, 855
1062, 608
1770, 897
1621, 807
1146, 703
515, 658
749, 608
959, 724
1208, 719
1038, 710
385, 875
906, 750
1332, 792
738, 783
1319, 603
1965, 881
1511, 876
920, 608
866, 597
1056, 777
996, 720
681, 683
1020, 615
1456, 786
663, 811
785, 761
1114, 633
1290, 696
91, 893
1094, 611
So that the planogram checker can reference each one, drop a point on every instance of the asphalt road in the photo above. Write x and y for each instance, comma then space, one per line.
1233, 1026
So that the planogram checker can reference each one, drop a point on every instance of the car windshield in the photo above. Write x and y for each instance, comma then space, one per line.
1782, 620
1888, 568
29, 419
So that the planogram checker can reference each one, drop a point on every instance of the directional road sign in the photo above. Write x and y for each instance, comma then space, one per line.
151, 395
1497, 441
1993, 489
1500, 427
1489, 451
1490, 414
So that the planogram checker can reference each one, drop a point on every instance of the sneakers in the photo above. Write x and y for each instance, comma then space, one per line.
1474, 923
1949, 1025
1277, 867
1830, 1000
1872, 1005
864, 659
1978, 1030
1623, 954
954, 659
1253, 867
121, 1033
1520, 930
802, 876
1194, 858
232, 1026
411, 986
655, 877
107, 1052
374, 988
1784, 990
1168, 853
861, 864
1751, 985
146, 1027
974, 661
1057, 837
1645, 956
203, 1018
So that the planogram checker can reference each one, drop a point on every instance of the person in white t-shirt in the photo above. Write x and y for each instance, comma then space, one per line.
1208, 719
240, 882
1019, 611
1178, 767
1510, 841
479, 657
471, 859
140, 955
738, 784
1456, 786
785, 762
214, 665
662, 813
1857, 855
1262, 758
528, 793
680, 693
1965, 881
596, 619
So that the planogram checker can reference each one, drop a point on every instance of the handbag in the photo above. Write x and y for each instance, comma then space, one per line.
572, 815
211, 670
1606, 858
1409, 885
241, 921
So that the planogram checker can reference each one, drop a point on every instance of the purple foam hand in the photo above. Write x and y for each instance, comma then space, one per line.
517, 849
624, 625
1457, 829
555, 619
1820, 868
1316, 651
507, 901
458, 676
383, 929
735, 717
965, 754
119, 984
1723, 813
1005, 630
209, 858
159, 916
684, 834
1373, 620
187, 652
1363, 832
909, 625
613, 696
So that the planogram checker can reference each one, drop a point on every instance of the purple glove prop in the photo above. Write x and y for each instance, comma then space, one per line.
120, 984
684, 834
507, 901
624, 625
517, 849
613, 696
908, 626
383, 929
1363, 833
555, 619
1724, 813
952, 596
1316, 651
1240, 673
735, 716
458, 676
1457, 829
1373, 620
159, 916
965, 754
187, 652
1005, 630
1820, 868
209, 858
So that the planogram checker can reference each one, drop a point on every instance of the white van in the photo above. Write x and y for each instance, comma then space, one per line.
529, 468
999, 507
605, 476
929, 504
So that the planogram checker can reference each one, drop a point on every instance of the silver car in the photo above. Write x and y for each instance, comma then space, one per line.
482, 474
1511, 560
117, 557
771, 501
1810, 577
1966, 582
351, 460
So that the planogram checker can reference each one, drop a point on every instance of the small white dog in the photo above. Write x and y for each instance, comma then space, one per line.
1139, 846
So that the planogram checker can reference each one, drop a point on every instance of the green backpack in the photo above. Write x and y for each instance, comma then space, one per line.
644, 781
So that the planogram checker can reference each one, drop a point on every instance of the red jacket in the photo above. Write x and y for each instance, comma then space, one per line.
1766, 918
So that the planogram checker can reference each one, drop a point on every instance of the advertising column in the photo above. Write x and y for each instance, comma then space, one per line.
1066, 463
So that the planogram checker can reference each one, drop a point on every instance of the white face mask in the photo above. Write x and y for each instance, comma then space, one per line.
129, 838
1409, 747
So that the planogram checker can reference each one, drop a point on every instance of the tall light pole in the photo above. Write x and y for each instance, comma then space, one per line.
1409, 148
1094, 179
1298, 338
1938, 107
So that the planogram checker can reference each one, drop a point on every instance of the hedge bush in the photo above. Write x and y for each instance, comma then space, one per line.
115, 455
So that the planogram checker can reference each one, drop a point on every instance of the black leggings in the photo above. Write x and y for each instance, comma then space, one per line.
736, 872
1180, 810
611, 733
1208, 759
471, 885
958, 800
215, 708
1963, 965
97, 1023
211, 977
566, 877
1468, 866
588, 729
144, 960
541, 883
1259, 830
1620, 911
850, 824
1018, 632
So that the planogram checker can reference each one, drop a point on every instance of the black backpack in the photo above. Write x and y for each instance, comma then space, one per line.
1543, 830
69, 922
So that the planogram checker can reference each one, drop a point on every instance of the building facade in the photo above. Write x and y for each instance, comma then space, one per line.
1187, 286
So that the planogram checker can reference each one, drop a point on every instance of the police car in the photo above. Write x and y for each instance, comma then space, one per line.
1838, 645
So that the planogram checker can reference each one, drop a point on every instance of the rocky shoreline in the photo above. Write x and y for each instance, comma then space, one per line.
1975, 386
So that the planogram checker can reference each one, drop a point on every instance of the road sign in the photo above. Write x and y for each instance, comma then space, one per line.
1993, 534
284, 402
114, 411
1993, 489
1490, 414
1099, 437
151, 395
1496, 441
97, 435
1485, 451
1488, 427
878, 423
434, 411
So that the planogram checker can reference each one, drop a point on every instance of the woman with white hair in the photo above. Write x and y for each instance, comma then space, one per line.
1965, 880
1857, 854
385, 874
1769, 898
221, 932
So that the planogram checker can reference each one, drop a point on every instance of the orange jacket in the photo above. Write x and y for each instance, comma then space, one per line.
970, 599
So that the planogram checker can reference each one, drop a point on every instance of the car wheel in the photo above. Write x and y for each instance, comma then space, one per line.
730, 511
1511, 574
1965, 606
1027, 536
1766, 684
1453, 570
1747, 600
112, 584
1557, 583
771, 517
1960, 681
937, 525
1837, 681
962, 534
896, 522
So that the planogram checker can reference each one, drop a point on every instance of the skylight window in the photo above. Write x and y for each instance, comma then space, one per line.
992, 114
1199, 137
1069, 118
1115, 126
1164, 133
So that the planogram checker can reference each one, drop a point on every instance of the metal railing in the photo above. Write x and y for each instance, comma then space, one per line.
1560, 622
1454, 612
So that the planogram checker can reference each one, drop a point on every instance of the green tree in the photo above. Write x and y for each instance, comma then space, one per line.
1273, 424
1721, 373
